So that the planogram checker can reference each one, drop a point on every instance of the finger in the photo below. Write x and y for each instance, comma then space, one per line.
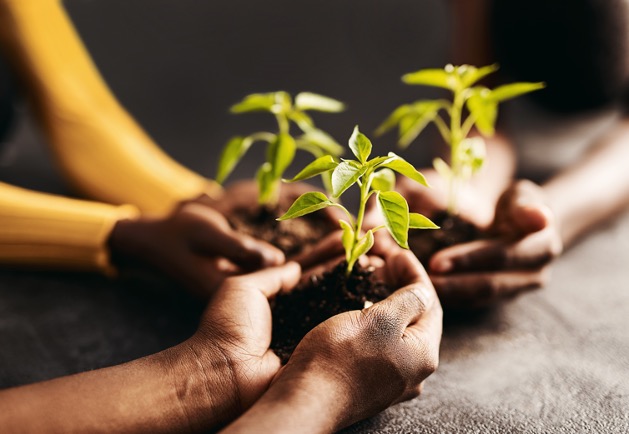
473, 290
532, 251
403, 268
328, 248
268, 281
424, 336
214, 237
522, 210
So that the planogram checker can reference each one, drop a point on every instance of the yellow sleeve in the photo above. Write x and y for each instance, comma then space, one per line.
44, 230
101, 150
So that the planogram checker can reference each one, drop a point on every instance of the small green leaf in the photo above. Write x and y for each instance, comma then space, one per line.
394, 209
484, 109
405, 168
383, 180
414, 123
418, 221
473, 153
347, 238
313, 101
320, 165
232, 153
393, 119
307, 203
280, 154
267, 184
442, 168
324, 141
344, 176
360, 145
304, 121
255, 102
433, 77
471, 75
363, 245
509, 91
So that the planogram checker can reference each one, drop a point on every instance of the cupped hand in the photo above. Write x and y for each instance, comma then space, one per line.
370, 359
524, 240
194, 245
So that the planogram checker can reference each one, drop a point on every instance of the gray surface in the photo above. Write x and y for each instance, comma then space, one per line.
551, 361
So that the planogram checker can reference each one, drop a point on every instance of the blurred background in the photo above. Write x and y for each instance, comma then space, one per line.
179, 66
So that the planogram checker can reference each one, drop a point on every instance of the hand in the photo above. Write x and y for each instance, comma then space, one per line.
357, 363
195, 245
525, 240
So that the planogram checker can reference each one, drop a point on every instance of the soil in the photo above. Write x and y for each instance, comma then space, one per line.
290, 236
322, 296
454, 230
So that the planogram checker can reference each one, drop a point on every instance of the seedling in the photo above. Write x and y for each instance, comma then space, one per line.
467, 155
374, 177
281, 146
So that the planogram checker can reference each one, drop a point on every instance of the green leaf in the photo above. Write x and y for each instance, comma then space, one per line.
280, 154
231, 155
509, 91
344, 176
267, 184
405, 168
383, 180
320, 165
394, 209
347, 238
472, 153
304, 121
418, 221
484, 109
363, 245
360, 145
313, 101
471, 74
414, 123
393, 119
305, 204
324, 141
433, 77
255, 102
442, 168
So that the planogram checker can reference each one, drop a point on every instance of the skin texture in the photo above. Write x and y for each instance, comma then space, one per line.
226, 366
358, 363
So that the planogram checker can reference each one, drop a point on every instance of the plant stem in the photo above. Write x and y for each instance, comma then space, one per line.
456, 136
364, 196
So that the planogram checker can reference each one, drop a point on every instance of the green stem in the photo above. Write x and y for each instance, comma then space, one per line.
456, 137
364, 196
443, 128
282, 123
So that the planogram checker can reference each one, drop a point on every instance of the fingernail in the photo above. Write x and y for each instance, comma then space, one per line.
272, 257
442, 266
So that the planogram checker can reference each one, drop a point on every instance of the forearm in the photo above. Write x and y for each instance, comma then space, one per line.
44, 230
595, 188
102, 151
165, 392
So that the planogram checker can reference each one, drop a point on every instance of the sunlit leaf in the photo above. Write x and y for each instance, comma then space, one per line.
307, 203
360, 145
442, 168
254, 103
320, 165
405, 168
394, 119
304, 121
231, 155
417, 119
484, 109
347, 238
267, 184
280, 154
383, 180
313, 101
344, 176
394, 209
509, 91
363, 245
418, 221
433, 77
324, 141
471, 75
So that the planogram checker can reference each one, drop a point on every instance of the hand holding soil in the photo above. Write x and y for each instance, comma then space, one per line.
523, 240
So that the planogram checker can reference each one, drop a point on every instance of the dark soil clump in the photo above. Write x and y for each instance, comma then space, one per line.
290, 236
454, 230
319, 298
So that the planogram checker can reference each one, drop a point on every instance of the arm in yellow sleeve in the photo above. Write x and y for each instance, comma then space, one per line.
39, 229
102, 151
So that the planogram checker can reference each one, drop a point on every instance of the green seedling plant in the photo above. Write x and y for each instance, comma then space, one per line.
280, 146
467, 154
373, 177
